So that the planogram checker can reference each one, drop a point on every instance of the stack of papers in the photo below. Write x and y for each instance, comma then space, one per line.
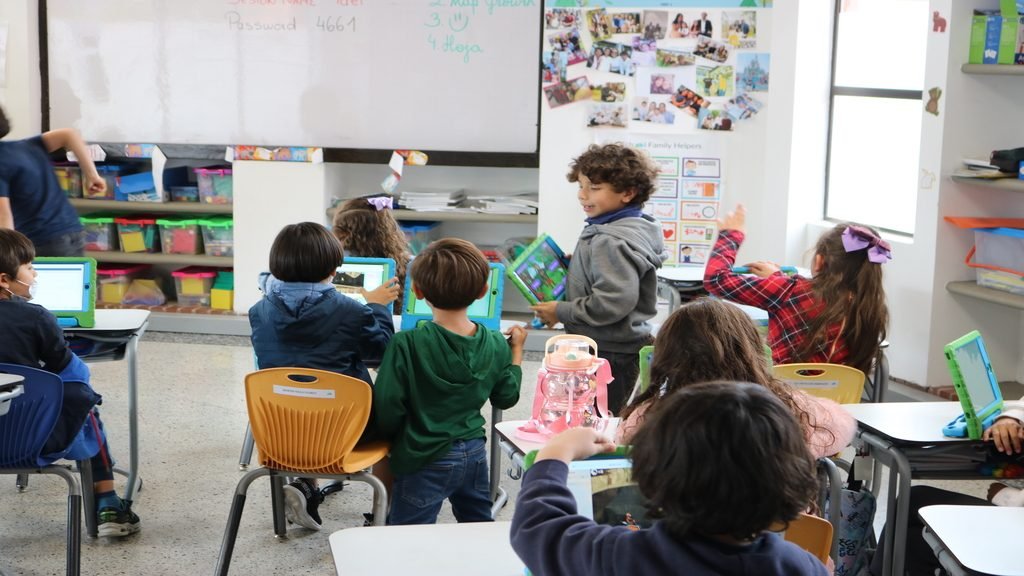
505, 203
431, 200
980, 169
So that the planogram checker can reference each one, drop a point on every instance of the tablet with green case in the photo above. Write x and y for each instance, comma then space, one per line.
67, 288
976, 386
541, 271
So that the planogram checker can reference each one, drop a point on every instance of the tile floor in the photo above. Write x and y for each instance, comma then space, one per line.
192, 419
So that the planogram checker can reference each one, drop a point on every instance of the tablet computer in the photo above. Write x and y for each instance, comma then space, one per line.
605, 492
368, 273
67, 288
976, 386
486, 310
541, 272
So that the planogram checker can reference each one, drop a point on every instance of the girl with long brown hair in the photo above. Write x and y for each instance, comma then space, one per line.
366, 227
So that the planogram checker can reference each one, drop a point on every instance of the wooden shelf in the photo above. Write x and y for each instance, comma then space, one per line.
160, 258
993, 69
1012, 184
151, 207
972, 290
465, 217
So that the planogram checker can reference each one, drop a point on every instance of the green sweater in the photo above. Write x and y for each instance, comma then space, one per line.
431, 386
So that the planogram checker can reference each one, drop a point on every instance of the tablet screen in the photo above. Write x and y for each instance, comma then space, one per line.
481, 308
975, 374
605, 492
62, 286
351, 277
543, 273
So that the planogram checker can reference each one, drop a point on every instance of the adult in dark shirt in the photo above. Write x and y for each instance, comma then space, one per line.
703, 26
31, 199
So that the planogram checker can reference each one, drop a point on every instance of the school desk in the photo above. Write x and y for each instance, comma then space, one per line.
468, 549
907, 438
116, 335
516, 448
975, 540
11, 390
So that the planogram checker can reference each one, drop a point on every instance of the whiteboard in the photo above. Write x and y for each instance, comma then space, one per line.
458, 75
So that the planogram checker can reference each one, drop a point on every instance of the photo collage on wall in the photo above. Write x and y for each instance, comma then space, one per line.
685, 67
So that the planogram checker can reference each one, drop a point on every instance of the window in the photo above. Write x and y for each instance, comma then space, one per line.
876, 110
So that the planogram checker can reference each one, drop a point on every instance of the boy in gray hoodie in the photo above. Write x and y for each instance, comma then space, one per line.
612, 285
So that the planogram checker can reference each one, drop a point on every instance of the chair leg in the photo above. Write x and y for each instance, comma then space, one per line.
21, 481
245, 458
227, 546
74, 536
277, 504
88, 498
380, 496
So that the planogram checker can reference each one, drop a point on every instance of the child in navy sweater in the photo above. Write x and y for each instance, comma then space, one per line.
718, 463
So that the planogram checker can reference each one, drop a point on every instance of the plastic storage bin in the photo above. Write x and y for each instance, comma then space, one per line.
218, 235
69, 177
1000, 247
222, 296
1004, 281
180, 235
420, 234
141, 187
100, 232
111, 173
138, 234
114, 280
184, 194
193, 285
214, 185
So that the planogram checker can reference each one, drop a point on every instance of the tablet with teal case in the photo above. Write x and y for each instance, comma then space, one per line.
67, 288
976, 386
357, 273
485, 311
541, 271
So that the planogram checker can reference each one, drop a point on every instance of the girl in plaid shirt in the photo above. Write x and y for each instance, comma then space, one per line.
838, 316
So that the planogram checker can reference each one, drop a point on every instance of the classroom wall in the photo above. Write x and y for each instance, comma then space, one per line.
20, 94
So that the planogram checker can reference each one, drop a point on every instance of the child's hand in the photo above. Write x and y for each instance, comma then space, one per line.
575, 444
96, 184
384, 294
763, 269
516, 336
546, 312
1006, 433
735, 220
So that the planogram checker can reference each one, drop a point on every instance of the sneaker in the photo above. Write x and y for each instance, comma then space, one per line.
367, 518
117, 522
301, 501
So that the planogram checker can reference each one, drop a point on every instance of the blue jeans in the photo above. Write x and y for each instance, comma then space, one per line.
460, 476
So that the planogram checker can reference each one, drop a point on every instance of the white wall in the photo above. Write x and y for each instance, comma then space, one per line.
20, 95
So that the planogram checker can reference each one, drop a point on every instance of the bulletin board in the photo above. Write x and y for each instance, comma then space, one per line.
361, 74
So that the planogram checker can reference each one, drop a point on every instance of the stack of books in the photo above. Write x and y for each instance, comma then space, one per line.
431, 200
503, 203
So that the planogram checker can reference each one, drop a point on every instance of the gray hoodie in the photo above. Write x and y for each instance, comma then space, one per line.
613, 283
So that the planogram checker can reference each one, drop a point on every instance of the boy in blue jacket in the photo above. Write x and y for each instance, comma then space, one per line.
303, 321
719, 464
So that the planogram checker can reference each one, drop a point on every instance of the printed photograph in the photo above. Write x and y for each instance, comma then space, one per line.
610, 92
687, 100
693, 254
576, 90
625, 22
644, 51
674, 58
569, 42
561, 18
554, 66
613, 58
696, 231
743, 106
752, 75
696, 189
739, 29
662, 83
701, 168
714, 119
602, 115
653, 111
708, 48
715, 82
655, 24
598, 24
666, 188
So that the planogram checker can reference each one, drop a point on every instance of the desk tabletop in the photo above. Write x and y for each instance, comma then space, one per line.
115, 320
985, 539
471, 549
507, 430
6, 379
912, 422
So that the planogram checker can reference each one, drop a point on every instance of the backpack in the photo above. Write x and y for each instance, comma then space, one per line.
854, 529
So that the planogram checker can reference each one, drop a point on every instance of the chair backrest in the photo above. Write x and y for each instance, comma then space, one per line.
646, 356
31, 418
833, 381
304, 419
812, 534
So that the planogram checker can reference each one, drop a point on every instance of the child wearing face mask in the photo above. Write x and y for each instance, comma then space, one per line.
32, 338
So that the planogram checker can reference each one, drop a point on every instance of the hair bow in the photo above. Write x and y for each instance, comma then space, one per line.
381, 202
858, 238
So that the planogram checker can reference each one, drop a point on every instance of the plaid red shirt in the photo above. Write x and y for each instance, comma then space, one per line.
788, 300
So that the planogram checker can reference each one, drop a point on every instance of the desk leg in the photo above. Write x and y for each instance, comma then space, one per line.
498, 495
133, 416
898, 501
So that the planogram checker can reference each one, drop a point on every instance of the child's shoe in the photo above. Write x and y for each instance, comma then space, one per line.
1003, 495
301, 503
117, 522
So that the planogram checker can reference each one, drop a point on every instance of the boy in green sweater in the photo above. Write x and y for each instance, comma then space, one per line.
431, 385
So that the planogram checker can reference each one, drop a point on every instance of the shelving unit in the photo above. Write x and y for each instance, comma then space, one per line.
972, 290
1013, 184
160, 258
465, 217
994, 69
84, 204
